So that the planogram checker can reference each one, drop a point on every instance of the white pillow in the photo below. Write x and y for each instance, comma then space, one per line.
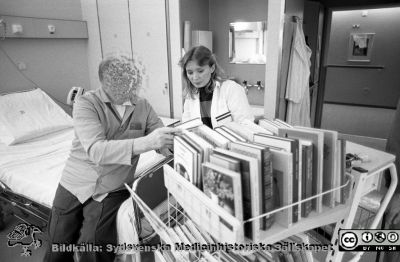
28, 115
4, 135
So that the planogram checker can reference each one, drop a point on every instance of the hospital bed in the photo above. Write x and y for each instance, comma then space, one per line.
31, 170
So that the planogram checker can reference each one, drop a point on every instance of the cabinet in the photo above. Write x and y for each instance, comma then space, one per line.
139, 28
149, 41
114, 26
202, 38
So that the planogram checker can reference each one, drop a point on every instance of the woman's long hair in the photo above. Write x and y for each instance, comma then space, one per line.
202, 56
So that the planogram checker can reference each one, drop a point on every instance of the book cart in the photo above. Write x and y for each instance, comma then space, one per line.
210, 224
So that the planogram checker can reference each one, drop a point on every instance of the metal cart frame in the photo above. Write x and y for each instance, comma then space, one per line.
344, 215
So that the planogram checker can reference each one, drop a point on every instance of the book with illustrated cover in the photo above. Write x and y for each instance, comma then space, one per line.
330, 167
224, 187
250, 179
283, 175
317, 139
211, 136
185, 159
225, 162
203, 211
289, 144
263, 156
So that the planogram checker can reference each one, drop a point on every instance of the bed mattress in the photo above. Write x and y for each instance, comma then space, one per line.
33, 169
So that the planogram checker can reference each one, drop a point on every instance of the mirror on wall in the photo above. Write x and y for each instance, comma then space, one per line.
247, 42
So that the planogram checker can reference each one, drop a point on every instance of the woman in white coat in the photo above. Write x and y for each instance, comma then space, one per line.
207, 96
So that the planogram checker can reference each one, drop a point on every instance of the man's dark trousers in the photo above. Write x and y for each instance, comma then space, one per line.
91, 224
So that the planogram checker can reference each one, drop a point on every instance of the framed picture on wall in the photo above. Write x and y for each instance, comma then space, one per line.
360, 47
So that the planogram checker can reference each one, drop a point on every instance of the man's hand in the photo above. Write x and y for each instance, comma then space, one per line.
393, 210
165, 151
162, 137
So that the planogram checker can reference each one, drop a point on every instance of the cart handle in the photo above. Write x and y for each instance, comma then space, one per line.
385, 202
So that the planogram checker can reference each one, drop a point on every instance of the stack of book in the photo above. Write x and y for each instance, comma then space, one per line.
318, 165
273, 125
250, 173
235, 173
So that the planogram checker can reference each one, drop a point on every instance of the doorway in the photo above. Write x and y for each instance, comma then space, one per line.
358, 88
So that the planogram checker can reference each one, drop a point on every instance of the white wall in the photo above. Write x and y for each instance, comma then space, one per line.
55, 65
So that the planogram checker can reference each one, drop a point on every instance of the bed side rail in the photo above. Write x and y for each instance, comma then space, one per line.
27, 205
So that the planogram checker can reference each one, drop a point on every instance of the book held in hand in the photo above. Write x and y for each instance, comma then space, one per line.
190, 124
185, 159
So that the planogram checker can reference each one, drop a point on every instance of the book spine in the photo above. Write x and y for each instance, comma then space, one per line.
338, 172
345, 191
247, 206
304, 181
267, 189
307, 179
251, 230
314, 190
295, 192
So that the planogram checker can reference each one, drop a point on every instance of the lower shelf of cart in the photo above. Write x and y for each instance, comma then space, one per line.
327, 216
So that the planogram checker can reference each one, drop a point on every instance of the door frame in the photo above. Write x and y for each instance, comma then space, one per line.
173, 30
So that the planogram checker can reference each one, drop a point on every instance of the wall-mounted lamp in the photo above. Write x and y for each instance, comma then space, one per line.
356, 26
